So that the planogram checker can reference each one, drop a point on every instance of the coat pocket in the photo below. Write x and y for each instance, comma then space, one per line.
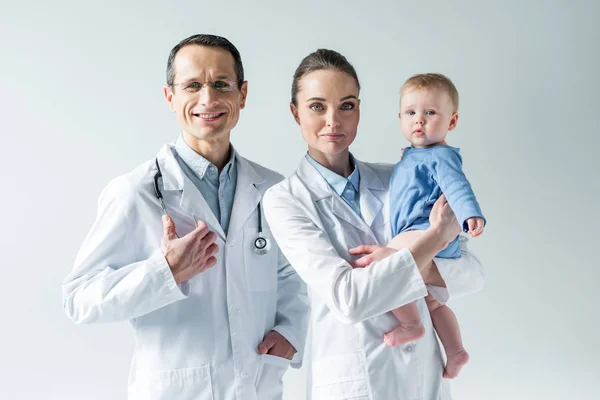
340, 377
269, 380
181, 384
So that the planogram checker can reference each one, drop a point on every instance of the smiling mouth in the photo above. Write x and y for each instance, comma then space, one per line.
209, 116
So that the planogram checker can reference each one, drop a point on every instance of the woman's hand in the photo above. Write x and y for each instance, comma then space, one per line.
443, 221
370, 254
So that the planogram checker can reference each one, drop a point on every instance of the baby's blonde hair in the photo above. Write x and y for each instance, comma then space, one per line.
431, 81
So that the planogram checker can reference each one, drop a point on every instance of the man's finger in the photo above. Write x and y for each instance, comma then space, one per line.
201, 229
268, 342
283, 349
168, 228
205, 242
210, 262
212, 250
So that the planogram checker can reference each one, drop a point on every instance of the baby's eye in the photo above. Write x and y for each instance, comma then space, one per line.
410, 112
430, 112
347, 106
316, 107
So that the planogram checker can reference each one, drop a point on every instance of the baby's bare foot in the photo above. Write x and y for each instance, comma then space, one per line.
454, 363
404, 333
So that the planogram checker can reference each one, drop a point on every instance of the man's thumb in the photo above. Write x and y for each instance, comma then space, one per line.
168, 228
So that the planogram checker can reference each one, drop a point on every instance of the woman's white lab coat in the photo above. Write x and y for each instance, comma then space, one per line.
350, 308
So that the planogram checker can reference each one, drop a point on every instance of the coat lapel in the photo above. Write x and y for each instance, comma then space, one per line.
324, 193
371, 191
192, 202
248, 194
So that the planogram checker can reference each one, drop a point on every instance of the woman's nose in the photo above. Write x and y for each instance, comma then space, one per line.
333, 119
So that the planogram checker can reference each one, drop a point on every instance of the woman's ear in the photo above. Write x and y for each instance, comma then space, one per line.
294, 111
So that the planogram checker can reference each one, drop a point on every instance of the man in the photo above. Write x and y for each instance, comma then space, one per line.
217, 310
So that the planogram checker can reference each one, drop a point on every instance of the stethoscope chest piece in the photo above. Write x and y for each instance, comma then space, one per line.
261, 245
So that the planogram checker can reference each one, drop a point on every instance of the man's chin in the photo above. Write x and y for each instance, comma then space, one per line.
210, 134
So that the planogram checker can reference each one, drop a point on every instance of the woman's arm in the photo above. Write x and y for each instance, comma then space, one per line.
353, 295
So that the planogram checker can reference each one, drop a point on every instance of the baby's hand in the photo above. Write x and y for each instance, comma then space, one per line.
475, 225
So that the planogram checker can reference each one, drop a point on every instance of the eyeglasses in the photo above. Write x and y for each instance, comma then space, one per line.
220, 86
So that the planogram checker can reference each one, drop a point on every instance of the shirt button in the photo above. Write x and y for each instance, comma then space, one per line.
212, 169
244, 374
221, 193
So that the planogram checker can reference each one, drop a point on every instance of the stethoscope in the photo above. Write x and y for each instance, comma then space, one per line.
261, 244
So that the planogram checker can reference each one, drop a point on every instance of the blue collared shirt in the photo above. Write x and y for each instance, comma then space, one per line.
346, 188
217, 189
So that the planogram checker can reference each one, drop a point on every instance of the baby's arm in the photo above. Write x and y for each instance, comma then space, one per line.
448, 173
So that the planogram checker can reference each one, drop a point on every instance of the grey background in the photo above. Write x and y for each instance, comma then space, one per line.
82, 102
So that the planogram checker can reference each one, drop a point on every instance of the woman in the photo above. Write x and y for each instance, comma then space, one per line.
333, 203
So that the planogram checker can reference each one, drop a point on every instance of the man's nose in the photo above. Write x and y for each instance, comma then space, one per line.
207, 96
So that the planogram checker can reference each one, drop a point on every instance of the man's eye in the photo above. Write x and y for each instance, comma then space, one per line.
221, 85
194, 86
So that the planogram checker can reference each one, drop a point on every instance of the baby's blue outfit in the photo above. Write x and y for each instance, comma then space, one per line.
418, 181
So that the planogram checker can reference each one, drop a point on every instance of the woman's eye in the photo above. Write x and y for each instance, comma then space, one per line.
316, 107
347, 106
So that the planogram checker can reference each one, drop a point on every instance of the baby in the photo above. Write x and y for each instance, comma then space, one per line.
428, 111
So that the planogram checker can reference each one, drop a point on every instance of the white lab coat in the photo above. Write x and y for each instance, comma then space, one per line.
350, 308
196, 340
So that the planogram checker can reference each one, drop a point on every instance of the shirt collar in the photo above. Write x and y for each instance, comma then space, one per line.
337, 182
199, 164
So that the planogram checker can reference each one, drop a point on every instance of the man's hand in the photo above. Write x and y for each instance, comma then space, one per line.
371, 253
276, 345
475, 225
191, 254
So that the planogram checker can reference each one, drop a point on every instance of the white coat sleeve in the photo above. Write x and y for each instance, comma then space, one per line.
291, 319
352, 295
109, 281
463, 275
